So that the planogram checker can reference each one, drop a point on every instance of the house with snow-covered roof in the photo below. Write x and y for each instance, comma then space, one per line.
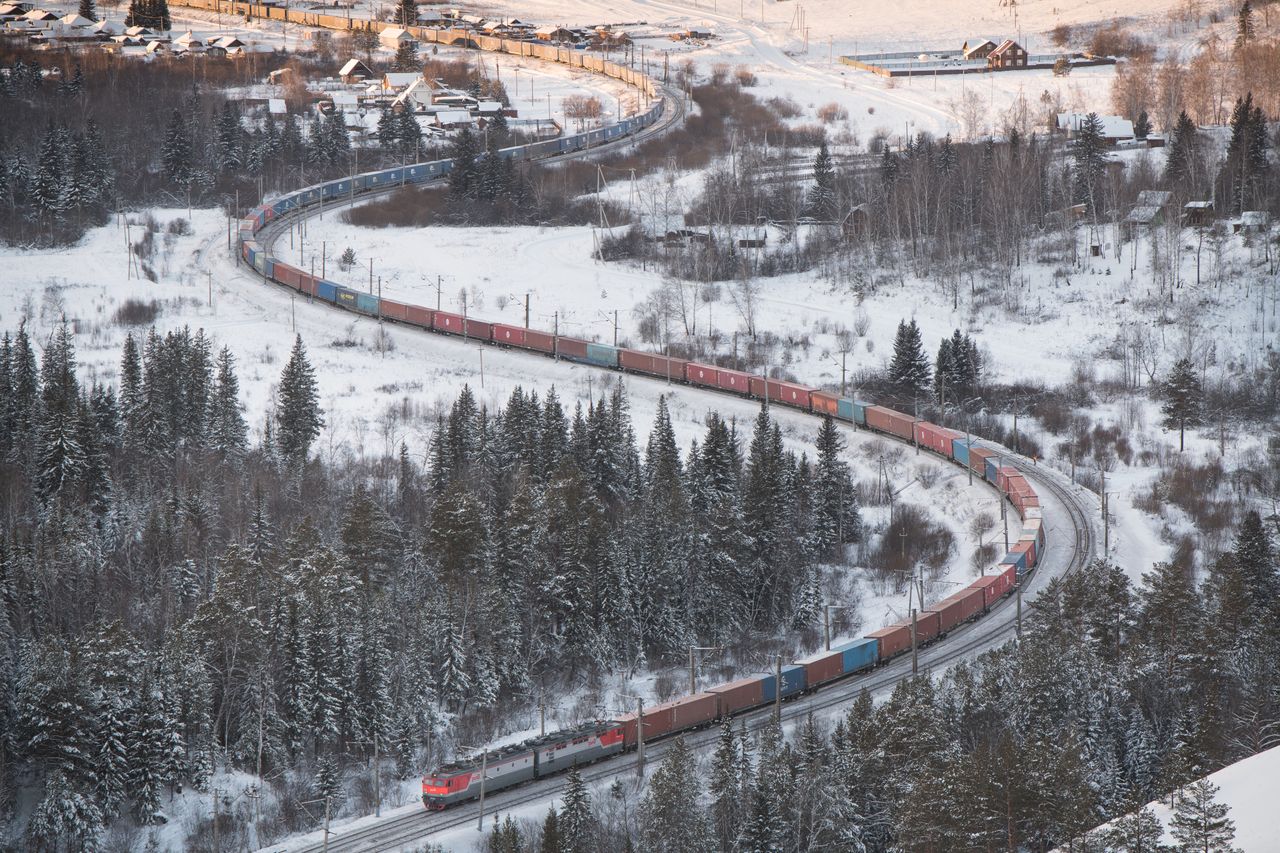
1008, 54
394, 37
354, 71
1115, 129
978, 48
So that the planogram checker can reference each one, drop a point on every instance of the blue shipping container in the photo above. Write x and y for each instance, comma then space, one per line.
367, 303
347, 298
860, 412
327, 290
844, 409
792, 680
860, 654
770, 684
1016, 559
993, 464
603, 355
960, 450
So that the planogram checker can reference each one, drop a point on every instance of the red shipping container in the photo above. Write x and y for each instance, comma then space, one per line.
539, 341
936, 438
307, 284
894, 640
776, 391
894, 423
738, 695
418, 316
733, 380
957, 608
674, 716
702, 374
395, 310
570, 348
286, 274
652, 364
826, 404
994, 586
509, 336
928, 626
822, 666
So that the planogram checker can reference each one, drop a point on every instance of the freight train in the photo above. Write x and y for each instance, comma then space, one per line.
558, 751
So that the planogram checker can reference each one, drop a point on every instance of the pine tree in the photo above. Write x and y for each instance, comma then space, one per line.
298, 413
909, 369
1183, 398
822, 197
724, 788
88, 10
407, 13
48, 189
836, 517
24, 404
388, 135
1200, 823
1139, 832
1244, 25
408, 133
671, 815
550, 833
1090, 164
228, 139
328, 783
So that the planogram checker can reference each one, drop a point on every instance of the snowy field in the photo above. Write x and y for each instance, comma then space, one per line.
1249, 788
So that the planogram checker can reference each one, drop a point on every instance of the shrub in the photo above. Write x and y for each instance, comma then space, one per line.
745, 77
1060, 35
832, 112
137, 312
1115, 40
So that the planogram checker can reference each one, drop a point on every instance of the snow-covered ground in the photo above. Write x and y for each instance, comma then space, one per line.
1249, 788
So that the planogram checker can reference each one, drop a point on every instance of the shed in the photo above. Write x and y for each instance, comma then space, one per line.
1197, 213
354, 71
346, 102
1252, 222
1009, 54
1143, 215
1153, 198
188, 41
855, 222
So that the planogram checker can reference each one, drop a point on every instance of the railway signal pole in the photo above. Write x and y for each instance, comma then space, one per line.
915, 648
777, 691
484, 769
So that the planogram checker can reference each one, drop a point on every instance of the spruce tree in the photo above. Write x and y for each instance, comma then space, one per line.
407, 13
228, 432
1090, 162
822, 197
65, 819
176, 150
1139, 832
463, 171
88, 10
576, 820
62, 460
1183, 155
909, 368
1183, 398
1142, 126
1244, 25
407, 55
298, 415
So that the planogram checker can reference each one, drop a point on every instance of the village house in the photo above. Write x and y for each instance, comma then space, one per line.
980, 49
1008, 55
550, 33
1197, 213
1252, 222
354, 71
395, 37
1114, 128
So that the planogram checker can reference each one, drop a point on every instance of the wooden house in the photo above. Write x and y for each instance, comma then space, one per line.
1009, 54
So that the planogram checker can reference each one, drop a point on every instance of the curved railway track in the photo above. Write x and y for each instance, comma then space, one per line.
1072, 546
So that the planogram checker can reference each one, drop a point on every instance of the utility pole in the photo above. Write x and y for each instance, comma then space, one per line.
615, 327
915, 651
640, 736
377, 790
1018, 626
439, 285
216, 846
968, 442
371, 276
693, 671
484, 767
324, 254
526, 309
777, 693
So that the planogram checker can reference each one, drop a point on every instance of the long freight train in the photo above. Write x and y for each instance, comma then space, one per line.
558, 751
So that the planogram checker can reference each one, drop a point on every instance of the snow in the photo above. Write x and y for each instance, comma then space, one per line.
1249, 788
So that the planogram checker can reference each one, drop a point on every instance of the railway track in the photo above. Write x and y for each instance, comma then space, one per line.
1072, 546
